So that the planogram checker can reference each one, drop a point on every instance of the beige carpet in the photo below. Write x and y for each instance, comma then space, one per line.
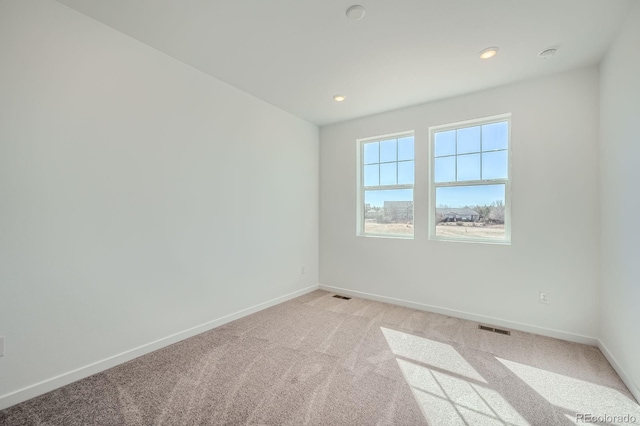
320, 360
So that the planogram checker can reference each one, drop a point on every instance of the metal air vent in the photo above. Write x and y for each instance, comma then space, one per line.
337, 296
494, 330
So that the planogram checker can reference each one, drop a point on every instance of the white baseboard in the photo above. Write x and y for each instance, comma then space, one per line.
633, 388
52, 383
514, 325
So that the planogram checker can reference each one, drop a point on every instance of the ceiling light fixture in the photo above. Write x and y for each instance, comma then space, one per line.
489, 52
356, 12
339, 98
547, 53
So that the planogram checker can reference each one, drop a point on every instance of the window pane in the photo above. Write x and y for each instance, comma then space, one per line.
495, 165
495, 136
405, 148
388, 151
469, 140
445, 143
445, 169
388, 212
471, 211
371, 175
371, 152
388, 174
405, 173
468, 167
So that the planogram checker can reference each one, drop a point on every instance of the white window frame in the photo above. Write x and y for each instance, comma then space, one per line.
361, 188
433, 185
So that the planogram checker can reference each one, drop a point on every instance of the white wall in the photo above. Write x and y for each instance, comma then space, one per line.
619, 156
138, 196
555, 212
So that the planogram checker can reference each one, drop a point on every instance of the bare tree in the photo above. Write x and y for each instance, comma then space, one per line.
497, 211
483, 211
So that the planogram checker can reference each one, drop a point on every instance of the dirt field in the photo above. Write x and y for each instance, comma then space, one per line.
495, 232
388, 228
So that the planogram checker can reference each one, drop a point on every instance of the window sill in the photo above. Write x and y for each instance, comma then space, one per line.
387, 236
472, 241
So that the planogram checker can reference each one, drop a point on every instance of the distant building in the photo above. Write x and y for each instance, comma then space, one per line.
398, 210
457, 214
371, 214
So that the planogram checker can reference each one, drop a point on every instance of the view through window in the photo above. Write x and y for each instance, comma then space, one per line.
470, 181
386, 192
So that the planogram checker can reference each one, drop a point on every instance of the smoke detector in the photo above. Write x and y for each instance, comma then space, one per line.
356, 12
547, 53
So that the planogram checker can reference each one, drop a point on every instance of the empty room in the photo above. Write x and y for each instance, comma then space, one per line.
411, 212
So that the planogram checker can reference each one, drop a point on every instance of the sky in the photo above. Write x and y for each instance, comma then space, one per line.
472, 153
462, 196
467, 154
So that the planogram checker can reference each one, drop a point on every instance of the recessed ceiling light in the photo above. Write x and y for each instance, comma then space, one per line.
339, 98
356, 12
547, 53
489, 52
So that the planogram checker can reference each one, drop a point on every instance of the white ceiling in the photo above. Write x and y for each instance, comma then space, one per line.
296, 54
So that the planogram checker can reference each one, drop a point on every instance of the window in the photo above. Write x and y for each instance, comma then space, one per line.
385, 195
470, 181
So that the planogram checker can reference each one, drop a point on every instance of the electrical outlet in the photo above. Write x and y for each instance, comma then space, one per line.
302, 270
1, 345
544, 297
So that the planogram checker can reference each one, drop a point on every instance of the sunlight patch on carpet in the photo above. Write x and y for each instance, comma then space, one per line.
575, 395
447, 388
